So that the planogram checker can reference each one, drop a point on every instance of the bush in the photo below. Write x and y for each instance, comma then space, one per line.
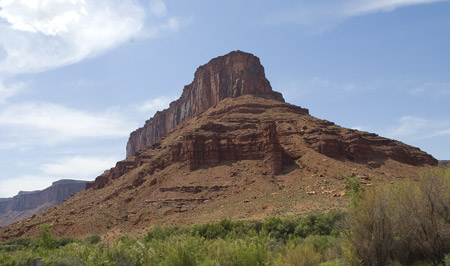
46, 239
224, 243
408, 223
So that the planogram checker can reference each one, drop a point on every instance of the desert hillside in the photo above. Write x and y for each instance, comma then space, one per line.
230, 147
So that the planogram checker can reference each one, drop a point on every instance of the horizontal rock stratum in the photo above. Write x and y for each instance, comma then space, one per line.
229, 76
230, 147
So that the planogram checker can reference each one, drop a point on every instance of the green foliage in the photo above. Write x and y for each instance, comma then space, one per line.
319, 224
447, 260
407, 224
46, 239
221, 243
356, 190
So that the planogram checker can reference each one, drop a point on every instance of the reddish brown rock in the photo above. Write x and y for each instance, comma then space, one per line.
228, 76
228, 148
255, 128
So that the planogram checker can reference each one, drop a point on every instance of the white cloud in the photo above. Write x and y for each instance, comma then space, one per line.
360, 128
169, 25
409, 126
158, 8
362, 7
437, 89
416, 128
10, 90
48, 123
11, 186
325, 15
79, 167
153, 105
49, 17
43, 34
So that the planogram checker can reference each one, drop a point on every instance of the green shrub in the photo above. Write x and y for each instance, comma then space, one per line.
220, 243
406, 224
319, 224
46, 239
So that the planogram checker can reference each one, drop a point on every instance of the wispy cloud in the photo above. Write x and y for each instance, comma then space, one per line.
158, 8
326, 14
417, 128
362, 7
434, 89
153, 105
8, 91
40, 35
11, 186
45, 34
47, 123
78, 167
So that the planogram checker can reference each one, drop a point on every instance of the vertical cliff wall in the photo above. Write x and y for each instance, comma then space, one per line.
228, 76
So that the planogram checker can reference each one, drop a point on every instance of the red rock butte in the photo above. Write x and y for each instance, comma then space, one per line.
228, 76
229, 147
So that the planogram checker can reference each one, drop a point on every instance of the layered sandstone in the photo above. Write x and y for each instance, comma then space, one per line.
255, 128
28, 203
229, 76
230, 147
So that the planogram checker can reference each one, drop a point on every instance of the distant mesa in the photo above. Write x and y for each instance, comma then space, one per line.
444, 163
28, 203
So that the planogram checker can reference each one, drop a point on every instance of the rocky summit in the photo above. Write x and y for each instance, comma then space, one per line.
229, 76
230, 147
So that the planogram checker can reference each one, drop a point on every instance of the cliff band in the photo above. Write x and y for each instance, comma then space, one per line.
228, 76
230, 147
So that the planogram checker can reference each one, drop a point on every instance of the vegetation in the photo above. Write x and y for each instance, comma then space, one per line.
407, 224
306, 240
403, 224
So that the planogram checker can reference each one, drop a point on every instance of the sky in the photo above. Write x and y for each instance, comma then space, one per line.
77, 76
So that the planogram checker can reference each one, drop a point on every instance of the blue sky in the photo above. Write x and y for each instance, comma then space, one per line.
77, 76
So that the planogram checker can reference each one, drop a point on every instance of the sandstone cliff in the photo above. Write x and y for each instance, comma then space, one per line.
229, 76
230, 147
26, 204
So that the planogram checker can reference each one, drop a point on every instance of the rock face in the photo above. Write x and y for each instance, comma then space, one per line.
29, 203
234, 139
229, 76
230, 147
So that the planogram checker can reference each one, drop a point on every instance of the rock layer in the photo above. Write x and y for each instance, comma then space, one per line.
228, 76
228, 148
242, 129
